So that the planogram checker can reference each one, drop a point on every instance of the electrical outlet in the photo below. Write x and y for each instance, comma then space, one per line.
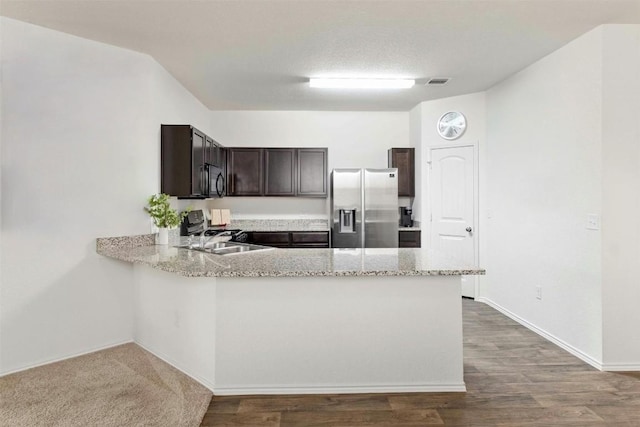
539, 292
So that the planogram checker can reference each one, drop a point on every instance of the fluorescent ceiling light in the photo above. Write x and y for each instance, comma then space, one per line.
362, 83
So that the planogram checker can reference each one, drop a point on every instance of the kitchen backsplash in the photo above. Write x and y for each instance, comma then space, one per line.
280, 224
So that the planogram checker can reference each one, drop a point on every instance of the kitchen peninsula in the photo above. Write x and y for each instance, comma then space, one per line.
299, 320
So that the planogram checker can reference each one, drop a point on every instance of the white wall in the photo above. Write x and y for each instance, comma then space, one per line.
621, 196
80, 150
354, 140
545, 175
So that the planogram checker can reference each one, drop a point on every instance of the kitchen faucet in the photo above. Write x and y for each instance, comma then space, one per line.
202, 239
205, 239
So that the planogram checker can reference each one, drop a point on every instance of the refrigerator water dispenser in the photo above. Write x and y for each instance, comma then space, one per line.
347, 221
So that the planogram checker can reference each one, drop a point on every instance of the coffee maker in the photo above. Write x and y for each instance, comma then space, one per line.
405, 217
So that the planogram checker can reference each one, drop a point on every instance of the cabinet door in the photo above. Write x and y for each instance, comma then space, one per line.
215, 154
404, 160
208, 150
312, 172
244, 168
219, 156
409, 239
280, 171
175, 160
198, 156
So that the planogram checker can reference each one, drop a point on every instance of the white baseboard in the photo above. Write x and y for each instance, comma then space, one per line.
557, 341
170, 361
426, 388
60, 359
283, 389
620, 367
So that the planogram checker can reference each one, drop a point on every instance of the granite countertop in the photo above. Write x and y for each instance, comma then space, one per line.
409, 228
281, 262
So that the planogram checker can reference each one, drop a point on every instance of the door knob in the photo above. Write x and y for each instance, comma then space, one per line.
469, 229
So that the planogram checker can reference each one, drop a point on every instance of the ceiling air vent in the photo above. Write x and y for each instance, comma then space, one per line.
438, 81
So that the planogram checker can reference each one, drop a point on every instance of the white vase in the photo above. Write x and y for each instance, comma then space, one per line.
163, 236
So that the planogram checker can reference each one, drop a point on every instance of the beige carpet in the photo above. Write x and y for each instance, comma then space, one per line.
120, 386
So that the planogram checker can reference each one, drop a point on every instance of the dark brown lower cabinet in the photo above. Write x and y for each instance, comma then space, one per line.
309, 239
290, 239
278, 239
409, 239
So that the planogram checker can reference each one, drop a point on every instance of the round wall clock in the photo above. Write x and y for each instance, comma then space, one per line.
452, 125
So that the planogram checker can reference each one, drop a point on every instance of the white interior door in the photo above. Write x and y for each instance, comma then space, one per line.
452, 188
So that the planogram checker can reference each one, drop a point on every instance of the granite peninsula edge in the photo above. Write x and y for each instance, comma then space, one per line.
141, 249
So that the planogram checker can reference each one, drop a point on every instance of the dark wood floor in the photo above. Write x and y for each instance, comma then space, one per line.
513, 376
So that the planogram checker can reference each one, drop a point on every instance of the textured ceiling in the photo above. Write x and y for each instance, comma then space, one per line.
258, 55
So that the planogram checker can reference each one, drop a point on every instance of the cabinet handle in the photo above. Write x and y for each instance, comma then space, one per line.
207, 181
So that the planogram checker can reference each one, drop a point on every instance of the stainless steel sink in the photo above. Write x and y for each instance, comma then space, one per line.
225, 248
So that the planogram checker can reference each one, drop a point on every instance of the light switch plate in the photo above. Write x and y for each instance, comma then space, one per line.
593, 222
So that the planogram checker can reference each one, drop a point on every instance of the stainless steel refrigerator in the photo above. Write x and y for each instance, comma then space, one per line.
364, 208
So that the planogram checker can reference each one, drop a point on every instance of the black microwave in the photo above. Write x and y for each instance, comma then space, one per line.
212, 182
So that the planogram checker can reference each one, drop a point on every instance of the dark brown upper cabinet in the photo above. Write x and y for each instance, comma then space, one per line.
404, 160
245, 172
312, 172
184, 152
300, 172
279, 171
215, 153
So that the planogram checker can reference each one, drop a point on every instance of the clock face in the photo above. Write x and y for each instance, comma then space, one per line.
452, 125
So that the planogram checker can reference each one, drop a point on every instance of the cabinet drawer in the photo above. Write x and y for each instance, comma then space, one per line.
308, 237
279, 239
